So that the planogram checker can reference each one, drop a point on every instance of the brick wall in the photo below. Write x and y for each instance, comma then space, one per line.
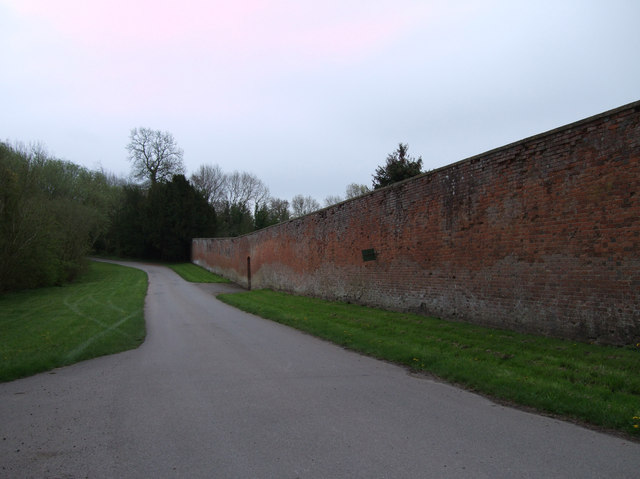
540, 236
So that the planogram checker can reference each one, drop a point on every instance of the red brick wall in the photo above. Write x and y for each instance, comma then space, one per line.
541, 236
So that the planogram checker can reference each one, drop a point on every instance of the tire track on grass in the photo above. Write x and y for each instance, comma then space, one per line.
106, 328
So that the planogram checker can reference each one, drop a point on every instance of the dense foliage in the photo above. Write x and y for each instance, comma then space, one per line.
51, 212
159, 222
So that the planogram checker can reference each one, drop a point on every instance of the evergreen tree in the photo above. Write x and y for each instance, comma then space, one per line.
399, 166
182, 213
159, 223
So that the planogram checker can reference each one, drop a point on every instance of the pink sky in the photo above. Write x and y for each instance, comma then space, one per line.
224, 42
309, 96
338, 28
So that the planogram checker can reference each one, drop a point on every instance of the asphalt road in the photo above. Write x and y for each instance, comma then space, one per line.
217, 393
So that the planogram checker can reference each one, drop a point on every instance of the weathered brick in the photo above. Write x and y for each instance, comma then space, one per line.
539, 236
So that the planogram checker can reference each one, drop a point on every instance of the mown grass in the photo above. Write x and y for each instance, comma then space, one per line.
101, 313
599, 385
196, 274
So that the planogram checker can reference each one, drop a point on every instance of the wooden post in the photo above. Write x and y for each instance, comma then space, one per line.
249, 272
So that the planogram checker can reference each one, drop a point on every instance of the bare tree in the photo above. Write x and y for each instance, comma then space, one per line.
211, 181
279, 209
354, 190
271, 212
155, 155
332, 200
245, 189
302, 205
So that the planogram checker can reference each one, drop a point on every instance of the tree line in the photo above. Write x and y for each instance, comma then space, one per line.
54, 213
51, 213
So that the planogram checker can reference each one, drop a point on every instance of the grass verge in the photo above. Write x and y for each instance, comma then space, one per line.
599, 385
101, 313
196, 274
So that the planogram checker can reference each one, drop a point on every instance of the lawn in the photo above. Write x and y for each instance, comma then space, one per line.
196, 274
598, 385
101, 313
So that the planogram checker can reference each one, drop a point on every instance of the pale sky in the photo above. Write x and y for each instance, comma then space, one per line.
308, 95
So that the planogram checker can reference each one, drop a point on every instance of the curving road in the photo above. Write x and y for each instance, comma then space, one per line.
217, 393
